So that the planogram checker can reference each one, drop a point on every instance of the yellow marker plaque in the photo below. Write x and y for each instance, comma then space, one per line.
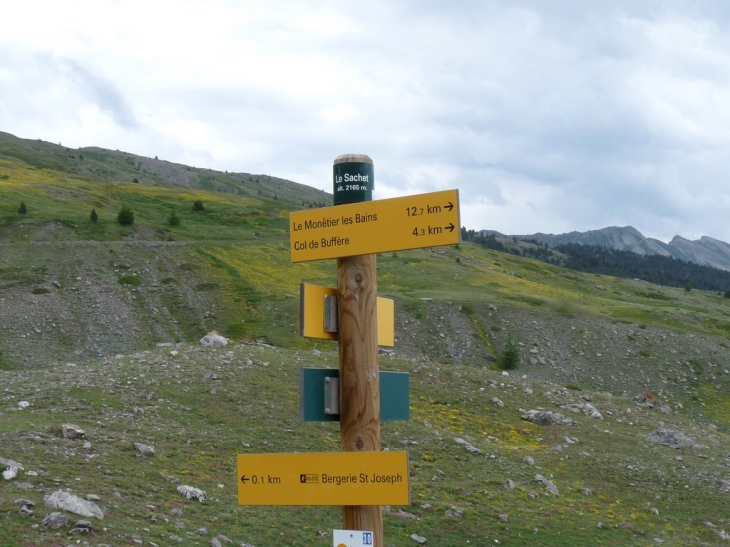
312, 315
327, 478
411, 222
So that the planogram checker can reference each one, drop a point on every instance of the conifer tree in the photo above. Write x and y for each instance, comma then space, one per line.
125, 217
173, 219
510, 357
93, 216
22, 209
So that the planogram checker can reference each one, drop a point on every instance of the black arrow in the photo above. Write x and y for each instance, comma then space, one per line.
245, 479
450, 227
449, 206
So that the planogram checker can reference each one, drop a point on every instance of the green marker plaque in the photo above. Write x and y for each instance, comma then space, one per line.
353, 178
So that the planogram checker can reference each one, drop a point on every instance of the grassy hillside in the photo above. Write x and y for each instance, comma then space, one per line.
85, 306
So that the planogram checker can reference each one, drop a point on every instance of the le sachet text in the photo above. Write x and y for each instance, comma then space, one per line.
347, 177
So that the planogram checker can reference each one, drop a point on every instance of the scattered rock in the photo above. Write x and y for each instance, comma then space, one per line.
68, 502
548, 484
11, 472
497, 402
71, 431
504, 517
55, 520
191, 493
471, 448
586, 408
592, 412
405, 515
82, 528
529, 460
12, 468
546, 417
144, 449
23, 405
213, 340
454, 512
649, 400
509, 485
418, 539
670, 437
25, 511
26, 507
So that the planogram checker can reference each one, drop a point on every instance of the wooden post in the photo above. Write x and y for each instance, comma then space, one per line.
359, 375
357, 294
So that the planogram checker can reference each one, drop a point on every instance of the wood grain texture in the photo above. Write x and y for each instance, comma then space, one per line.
357, 294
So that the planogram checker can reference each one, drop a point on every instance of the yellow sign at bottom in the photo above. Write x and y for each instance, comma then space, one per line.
324, 478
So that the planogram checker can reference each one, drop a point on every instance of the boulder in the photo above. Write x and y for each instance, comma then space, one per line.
191, 493
670, 437
213, 340
68, 502
547, 417
71, 431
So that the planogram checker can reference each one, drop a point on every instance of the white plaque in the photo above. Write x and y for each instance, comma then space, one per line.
352, 538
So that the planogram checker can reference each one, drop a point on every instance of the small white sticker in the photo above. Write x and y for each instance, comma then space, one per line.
352, 538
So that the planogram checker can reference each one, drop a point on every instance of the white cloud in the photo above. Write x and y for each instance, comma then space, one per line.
559, 117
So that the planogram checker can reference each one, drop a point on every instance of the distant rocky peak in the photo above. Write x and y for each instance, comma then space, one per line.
706, 251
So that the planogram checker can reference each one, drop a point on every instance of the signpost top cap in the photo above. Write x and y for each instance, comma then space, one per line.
352, 158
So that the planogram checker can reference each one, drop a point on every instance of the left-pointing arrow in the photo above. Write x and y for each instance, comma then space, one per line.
245, 479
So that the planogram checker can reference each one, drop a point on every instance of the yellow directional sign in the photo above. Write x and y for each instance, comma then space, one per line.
411, 222
326, 478
312, 315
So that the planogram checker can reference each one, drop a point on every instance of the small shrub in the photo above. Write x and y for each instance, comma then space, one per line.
207, 286
125, 217
573, 387
198, 205
173, 219
510, 356
41, 290
129, 280
467, 309
22, 209
93, 217
727, 294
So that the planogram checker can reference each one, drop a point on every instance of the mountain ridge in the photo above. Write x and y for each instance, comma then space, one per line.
706, 251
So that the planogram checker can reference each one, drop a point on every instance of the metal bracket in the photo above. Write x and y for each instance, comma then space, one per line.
330, 313
331, 396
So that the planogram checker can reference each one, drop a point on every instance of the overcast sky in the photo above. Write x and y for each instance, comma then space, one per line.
548, 116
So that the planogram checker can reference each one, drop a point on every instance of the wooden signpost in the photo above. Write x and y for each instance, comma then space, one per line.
352, 232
